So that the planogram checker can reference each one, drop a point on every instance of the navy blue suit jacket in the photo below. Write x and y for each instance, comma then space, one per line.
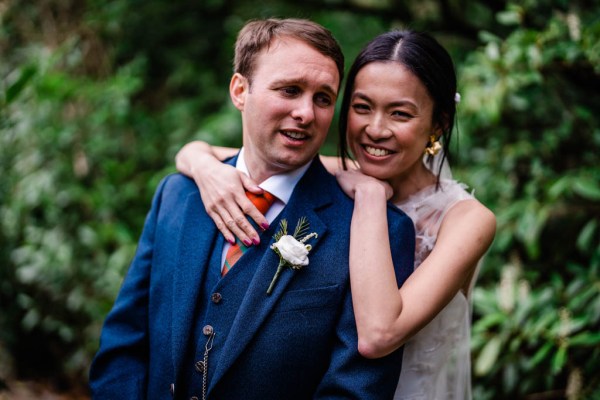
300, 342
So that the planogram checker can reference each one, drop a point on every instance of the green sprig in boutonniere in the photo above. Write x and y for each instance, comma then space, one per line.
291, 249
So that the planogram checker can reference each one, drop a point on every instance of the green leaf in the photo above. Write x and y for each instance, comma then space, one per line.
586, 236
587, 188
282, 230
488, 356
301, 228
490, 320
541, 354
559, 188
559, 359
511, 17
585, 339
16, 88
537, 327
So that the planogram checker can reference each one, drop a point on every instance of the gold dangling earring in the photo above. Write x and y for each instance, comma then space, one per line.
433, 147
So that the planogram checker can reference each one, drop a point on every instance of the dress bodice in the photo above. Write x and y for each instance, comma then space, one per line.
436, 363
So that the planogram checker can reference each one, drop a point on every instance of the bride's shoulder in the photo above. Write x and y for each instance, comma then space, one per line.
463, 205
473, 215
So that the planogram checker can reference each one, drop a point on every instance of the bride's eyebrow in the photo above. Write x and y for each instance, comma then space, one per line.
398, 103
403, 103
360, 96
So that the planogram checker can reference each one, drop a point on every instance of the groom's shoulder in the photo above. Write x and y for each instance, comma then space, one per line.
324, 183
175, 187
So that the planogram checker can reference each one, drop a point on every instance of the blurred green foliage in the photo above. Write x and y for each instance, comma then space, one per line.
96, 97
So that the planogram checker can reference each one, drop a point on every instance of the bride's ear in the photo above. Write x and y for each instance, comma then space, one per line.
441, 126
437, 131
238, 88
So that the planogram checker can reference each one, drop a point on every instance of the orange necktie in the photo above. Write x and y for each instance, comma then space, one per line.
262, 202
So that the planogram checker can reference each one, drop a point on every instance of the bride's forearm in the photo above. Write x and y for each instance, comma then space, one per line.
334, 164
197, 152
375, 295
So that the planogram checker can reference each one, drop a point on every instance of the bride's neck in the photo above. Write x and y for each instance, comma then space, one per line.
412, 182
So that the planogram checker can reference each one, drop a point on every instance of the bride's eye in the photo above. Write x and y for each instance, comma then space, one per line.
401, 114
360, 107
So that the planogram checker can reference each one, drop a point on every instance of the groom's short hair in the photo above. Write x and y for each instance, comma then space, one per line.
259, 34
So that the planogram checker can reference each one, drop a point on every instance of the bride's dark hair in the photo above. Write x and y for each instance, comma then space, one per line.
421, 54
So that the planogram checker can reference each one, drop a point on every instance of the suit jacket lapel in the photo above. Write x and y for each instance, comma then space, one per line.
310, 194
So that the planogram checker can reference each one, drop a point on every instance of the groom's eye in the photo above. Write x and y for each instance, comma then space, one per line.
290, 91
323, 100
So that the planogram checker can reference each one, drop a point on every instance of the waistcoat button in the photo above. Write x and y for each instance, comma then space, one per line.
207, 330
216, 298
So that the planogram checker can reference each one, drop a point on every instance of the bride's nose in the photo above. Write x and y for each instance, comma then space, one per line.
376, 129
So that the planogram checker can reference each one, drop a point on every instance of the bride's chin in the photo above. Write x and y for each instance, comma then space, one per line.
376, 171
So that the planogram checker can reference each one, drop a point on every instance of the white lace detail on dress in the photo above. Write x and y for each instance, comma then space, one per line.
436, 363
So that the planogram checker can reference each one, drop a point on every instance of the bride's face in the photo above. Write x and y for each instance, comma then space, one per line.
389, 121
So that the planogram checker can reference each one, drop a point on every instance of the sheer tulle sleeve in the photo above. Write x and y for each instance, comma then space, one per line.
427, 209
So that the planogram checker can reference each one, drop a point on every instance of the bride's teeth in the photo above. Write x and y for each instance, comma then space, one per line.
377, 152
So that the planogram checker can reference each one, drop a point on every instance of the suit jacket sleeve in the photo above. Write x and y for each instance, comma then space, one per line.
350, 375
120, 368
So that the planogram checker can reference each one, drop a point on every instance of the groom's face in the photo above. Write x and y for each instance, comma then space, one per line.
287, 106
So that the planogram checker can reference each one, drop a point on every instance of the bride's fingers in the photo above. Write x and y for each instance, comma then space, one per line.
389, 192
249, 209
238, 212
230, 224
249, 184
222, 226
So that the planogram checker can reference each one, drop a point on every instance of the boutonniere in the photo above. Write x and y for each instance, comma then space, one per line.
291, 249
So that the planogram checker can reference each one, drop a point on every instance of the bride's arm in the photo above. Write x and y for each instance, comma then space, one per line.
334, 164
222, 188
186, 158
386, 317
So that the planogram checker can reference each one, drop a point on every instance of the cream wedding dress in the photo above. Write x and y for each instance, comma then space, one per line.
436, 363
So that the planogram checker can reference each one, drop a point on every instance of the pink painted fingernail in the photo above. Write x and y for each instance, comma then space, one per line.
255, 241
265, 225
247, 242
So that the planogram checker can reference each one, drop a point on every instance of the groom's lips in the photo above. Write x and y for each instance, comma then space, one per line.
294, 135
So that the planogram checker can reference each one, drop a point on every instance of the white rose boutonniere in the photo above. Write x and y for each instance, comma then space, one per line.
291, 249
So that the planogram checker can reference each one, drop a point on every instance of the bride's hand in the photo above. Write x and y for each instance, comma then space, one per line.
352, 180
222, 189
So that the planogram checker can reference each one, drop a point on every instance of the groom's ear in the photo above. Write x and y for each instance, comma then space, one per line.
238, 88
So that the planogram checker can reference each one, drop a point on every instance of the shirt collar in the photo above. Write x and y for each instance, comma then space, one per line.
280, 185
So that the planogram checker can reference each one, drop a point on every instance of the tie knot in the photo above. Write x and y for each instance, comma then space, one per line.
261, 201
